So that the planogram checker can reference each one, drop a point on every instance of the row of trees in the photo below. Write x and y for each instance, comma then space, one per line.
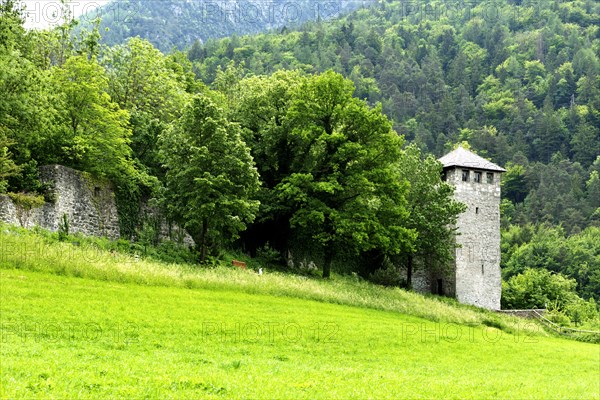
289, 160
330, 172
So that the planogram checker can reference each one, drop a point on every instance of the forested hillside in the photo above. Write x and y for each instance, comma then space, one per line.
169, 24
518, 80
286, 143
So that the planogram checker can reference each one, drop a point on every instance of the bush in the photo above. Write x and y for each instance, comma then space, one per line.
558, 318
581, 311
539, 288
270, 258
172, 252
63, 228
389, 276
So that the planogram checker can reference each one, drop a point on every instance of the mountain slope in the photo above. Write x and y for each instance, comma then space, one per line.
176, 23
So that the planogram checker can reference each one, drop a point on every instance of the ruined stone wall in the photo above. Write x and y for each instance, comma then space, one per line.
90, 207
8, 213
87, 202
421, 281
478, 278
165, 230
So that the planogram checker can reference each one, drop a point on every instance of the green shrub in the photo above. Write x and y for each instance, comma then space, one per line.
390, 277
558, 318
63, 228
539, 288
175, 253
581, 311
270, 258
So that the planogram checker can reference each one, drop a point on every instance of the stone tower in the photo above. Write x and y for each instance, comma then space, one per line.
477, 279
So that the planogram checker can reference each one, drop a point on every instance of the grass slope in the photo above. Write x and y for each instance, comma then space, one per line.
72, 337
73, 326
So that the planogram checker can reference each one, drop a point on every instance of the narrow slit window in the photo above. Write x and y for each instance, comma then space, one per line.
490, 178
477, 210
477, 178
465, 175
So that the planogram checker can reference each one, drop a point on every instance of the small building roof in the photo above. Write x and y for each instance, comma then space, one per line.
462, 157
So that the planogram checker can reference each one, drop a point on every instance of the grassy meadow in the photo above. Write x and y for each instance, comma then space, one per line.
77, 322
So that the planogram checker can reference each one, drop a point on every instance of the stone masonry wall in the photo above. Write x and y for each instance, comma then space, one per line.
166, 230
8, 213
478, 278
425, 280
88, 203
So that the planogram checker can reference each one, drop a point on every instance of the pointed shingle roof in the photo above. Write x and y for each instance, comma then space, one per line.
462, 157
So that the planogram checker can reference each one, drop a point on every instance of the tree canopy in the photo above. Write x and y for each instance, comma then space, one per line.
211, 178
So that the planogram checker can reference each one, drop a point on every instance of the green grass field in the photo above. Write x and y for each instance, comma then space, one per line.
79, 323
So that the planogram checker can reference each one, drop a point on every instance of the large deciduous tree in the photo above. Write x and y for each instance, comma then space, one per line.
261, 111
141, 79
343, 188
26, 108
95, 132
153, 88
211, 178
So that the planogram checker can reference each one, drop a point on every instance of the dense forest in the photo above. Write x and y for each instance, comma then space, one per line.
323, 139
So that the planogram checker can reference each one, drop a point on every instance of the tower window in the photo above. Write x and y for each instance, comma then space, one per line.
490, 178
477, 177
465, 175
477, 210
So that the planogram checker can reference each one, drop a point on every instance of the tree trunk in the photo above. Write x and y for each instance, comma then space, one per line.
409, 272
203, 246
328, 256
